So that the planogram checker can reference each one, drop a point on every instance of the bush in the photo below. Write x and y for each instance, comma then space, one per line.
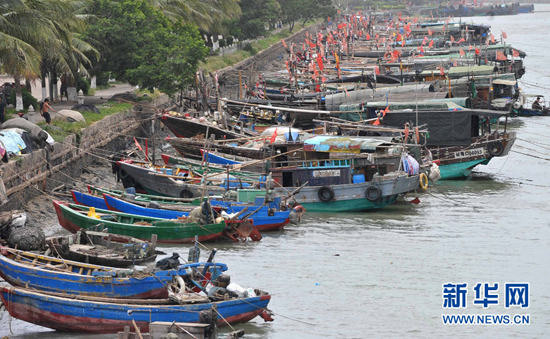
84, 85
230, 40
222, 43
249, 48
102, 78
28, 99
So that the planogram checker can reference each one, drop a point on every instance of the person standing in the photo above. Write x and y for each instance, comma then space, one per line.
44, 111
63, 88
2, 110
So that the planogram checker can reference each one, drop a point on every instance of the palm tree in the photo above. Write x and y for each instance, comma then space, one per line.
34, 30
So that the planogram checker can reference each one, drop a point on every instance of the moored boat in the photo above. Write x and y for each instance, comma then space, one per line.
104, 249
44, 273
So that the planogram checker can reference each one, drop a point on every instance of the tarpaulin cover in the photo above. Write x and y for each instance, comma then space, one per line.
447, 128
341, 144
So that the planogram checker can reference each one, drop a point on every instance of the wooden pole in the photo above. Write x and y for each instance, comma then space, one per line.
240, 85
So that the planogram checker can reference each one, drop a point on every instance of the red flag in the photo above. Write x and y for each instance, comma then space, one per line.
470, 48
504, 35
461, 40
138, 145
396, 54
455, 63
477, 51
320, 63
452, 39
501, 56
376, 70
492, 38
403, 43
421, 49
377, 122
431, 44
462, 52
430, 32
273, 136
515, 53
284, 43
368, 36
441, 71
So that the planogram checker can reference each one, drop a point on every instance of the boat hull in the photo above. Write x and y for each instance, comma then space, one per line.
150, 287
351, 197
75, 315
167, 232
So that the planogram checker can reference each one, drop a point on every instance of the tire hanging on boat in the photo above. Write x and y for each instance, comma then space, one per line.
186, 193
373, 193
325, 193
122, 174
423, 181
495, 148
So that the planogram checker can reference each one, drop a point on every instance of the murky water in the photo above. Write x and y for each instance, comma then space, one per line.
380, 274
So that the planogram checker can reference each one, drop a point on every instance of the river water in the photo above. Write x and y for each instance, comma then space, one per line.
380, 274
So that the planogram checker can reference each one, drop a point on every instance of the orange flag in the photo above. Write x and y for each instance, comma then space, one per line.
492, 38
377, 122
462, 52
501, 56
470, 48
284, 43
368, 36
385, 111
376, 70
504, 35
515, 53
452, 39
431, 43
430, 32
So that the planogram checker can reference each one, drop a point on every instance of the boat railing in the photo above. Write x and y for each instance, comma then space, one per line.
320, 163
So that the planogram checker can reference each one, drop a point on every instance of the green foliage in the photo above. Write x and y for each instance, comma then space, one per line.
102, 79
28, 99
255, 15
142, 46
84, 85
250, 49
305, 10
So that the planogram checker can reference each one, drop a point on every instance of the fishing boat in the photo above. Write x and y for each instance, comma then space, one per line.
263, 218
458, 140
188, 127
74, 217
108, 315
106, 249
169, 183
40, 272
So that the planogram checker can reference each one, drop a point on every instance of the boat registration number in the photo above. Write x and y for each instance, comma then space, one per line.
326, 173
470, 153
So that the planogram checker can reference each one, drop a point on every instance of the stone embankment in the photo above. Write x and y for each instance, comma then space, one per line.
43, 170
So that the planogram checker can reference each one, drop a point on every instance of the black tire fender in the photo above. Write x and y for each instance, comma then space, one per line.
495, 148
373, 193
325, 193
186, 193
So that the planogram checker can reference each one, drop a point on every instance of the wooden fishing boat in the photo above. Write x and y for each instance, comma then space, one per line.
106, 249
263, 217
74, 217
183, 127
107, 315
458, 140
158, 183
20, 268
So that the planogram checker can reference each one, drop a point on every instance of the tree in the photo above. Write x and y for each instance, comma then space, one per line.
30, 28
305, 10
139, 44
255, 15
171, 63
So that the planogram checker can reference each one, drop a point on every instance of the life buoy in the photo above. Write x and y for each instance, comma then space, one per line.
177, 286
325, 193
373, 193
423, 181
186, 193
122, 174
495, 148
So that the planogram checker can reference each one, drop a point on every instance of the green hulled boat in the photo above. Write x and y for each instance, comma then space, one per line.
74, 217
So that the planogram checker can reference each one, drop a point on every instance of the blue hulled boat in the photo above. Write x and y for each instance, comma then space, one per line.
44, 273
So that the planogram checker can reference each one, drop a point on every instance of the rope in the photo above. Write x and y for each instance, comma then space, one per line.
530, 155
228, 324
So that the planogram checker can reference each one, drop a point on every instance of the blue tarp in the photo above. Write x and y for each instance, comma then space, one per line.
13, 143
